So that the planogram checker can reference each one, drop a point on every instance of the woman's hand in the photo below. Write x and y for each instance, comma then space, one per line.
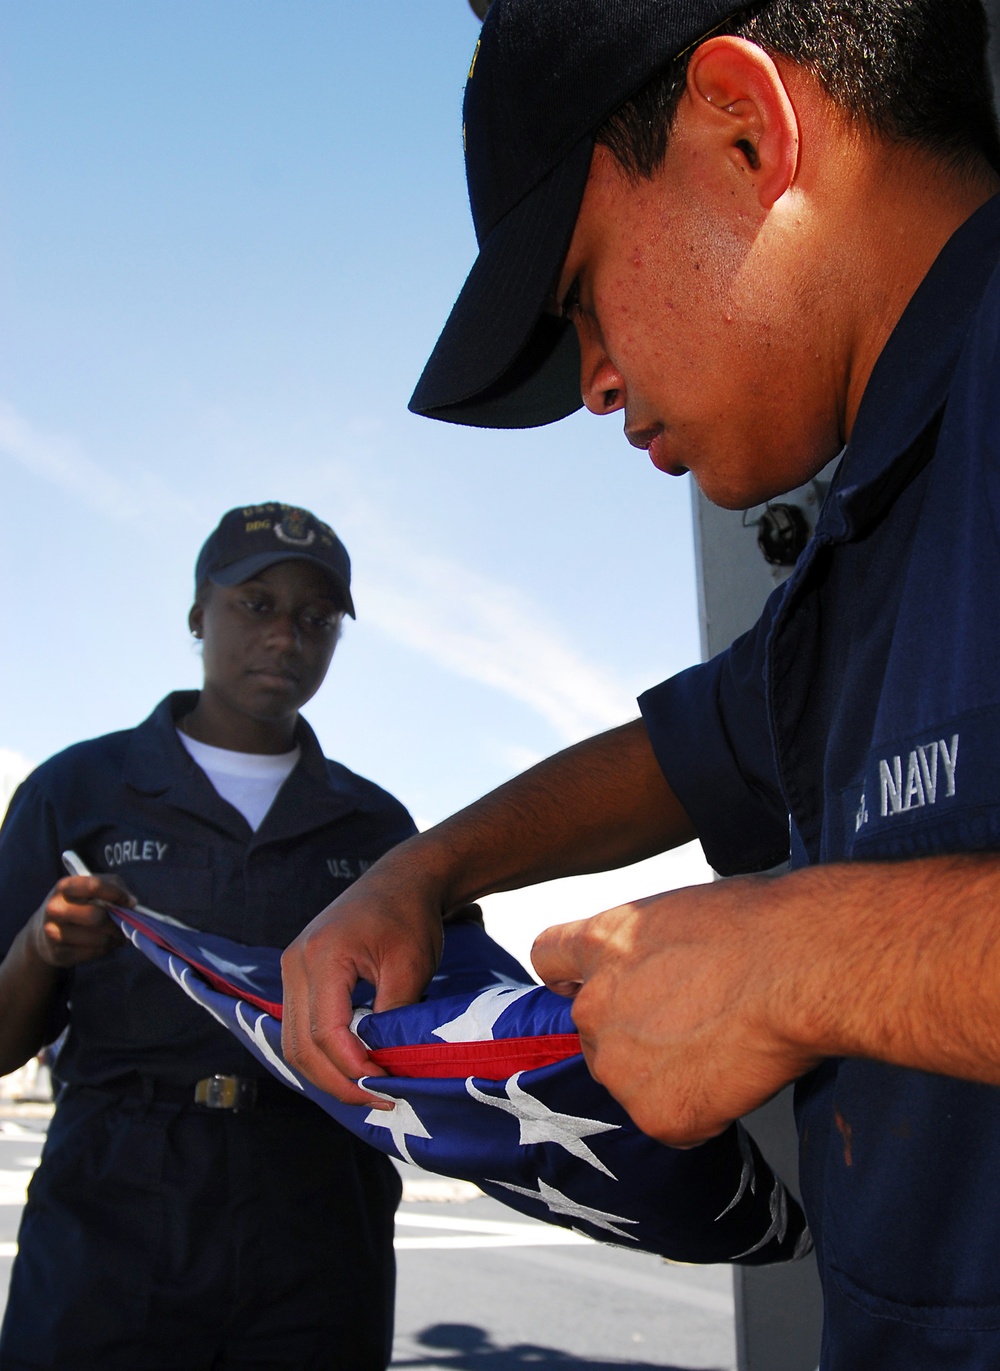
72, 924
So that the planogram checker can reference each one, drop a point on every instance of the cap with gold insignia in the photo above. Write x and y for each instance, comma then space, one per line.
253, 537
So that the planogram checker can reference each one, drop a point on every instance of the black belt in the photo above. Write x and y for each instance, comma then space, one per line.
216, 1092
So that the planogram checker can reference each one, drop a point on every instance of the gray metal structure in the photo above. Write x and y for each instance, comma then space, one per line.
779, 1309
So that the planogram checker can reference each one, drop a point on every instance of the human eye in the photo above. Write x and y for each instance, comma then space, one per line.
255, 603
569, 305
320, 620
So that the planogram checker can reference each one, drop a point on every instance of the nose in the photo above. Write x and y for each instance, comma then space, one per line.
284, 633
601, 383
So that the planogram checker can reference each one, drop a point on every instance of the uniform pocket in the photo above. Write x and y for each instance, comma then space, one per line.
178, 890
911, 1205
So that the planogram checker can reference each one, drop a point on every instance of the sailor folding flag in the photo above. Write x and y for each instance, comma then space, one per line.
490, 1086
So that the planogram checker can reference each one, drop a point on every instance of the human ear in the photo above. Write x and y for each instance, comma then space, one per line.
739, 94
196, 619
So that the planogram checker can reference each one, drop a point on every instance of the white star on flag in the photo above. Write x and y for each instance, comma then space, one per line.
498, 976
501, 979
402, 1121
747, 1174
263, 1046
181, 973
540, 1124
150, 913
232, 969
779, 1220
558, 1203
475, 1024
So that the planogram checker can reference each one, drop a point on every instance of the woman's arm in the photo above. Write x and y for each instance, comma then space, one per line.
69, 927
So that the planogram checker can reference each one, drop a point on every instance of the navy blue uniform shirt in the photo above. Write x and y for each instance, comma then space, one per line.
158, 1233
136, 804
860, 720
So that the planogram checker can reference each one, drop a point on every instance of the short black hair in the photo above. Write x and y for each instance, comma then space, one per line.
911, 71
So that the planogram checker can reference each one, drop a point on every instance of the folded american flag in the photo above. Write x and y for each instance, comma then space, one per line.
490, 1086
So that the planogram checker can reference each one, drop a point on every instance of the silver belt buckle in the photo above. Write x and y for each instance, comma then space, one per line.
225, 1092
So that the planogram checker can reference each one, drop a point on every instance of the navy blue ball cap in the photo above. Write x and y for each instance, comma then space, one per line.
253, 537
545, 76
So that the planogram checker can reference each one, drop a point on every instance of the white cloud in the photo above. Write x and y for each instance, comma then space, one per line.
491, 632
478, 627
61, 461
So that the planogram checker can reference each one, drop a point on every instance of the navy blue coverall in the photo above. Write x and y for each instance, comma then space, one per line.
860, 721
160, 1233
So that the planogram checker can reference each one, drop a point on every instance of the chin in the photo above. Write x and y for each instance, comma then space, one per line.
733, 488
271, 708
734, 494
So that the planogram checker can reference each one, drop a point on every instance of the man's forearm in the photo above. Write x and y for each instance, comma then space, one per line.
697, 1005
600, 804
603, 803
912, 957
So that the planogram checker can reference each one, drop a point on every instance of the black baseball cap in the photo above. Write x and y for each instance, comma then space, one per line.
253, 537
545, 76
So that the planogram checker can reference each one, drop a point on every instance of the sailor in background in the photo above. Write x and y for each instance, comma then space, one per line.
189, 1211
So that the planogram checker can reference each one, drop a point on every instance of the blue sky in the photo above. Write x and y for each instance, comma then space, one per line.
229, 234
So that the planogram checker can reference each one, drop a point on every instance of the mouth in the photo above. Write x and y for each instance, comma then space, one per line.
275, 677
653, 441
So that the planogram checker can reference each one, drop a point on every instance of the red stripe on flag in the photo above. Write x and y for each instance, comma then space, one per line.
235, 992
493, 1060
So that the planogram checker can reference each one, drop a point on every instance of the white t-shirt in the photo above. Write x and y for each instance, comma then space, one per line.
248, 780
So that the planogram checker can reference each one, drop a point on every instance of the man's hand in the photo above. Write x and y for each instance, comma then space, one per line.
376, 931
678, 1004
696, 1006
72, 924
599, 804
